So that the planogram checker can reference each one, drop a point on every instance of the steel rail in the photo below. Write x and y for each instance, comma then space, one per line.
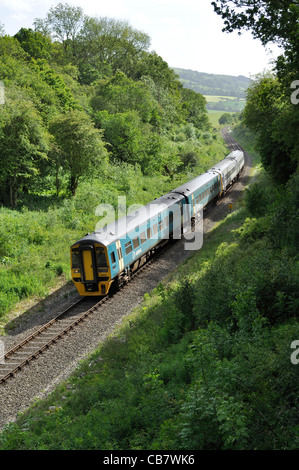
8, 370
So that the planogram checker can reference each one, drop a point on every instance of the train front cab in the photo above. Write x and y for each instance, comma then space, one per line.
90, 269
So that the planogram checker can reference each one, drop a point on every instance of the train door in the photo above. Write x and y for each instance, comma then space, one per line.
89, 274
88, 265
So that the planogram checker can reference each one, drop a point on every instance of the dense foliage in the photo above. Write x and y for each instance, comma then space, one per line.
92, 82
270, 113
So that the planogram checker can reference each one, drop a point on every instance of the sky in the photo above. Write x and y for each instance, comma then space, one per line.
185, 33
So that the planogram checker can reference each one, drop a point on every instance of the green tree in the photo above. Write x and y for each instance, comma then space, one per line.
123, 132
195, 105
268, 20
63, 22
48, 75
107, 44
269, 111
131, 141
79, 145
119, 94
225, 118
23, 147
35, 43
152, 65
273, 118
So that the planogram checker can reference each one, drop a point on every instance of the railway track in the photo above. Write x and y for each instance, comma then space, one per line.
21, 355
230, 141
30, 348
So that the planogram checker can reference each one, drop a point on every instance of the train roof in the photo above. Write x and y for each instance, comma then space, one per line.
227, 161
118, 229
235, 154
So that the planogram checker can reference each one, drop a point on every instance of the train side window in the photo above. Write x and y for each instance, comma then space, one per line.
149, 233
155, 229
128, 247
113, 258
197, 199
166, 222
142, 237
135, 242
161, 225
101, 258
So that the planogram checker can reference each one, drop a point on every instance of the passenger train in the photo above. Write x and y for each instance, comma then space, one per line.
107, 258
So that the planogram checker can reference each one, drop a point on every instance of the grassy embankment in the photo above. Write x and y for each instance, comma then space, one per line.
204, 362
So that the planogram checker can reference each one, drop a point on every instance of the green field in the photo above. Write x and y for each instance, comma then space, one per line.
214, 116
225, 103
217, 98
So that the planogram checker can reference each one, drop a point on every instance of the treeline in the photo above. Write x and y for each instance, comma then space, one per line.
81, 92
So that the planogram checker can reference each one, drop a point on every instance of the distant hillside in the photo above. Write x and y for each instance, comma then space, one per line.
212, 84
226, 92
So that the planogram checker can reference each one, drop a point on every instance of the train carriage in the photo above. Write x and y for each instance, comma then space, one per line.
199, 192
229, 168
